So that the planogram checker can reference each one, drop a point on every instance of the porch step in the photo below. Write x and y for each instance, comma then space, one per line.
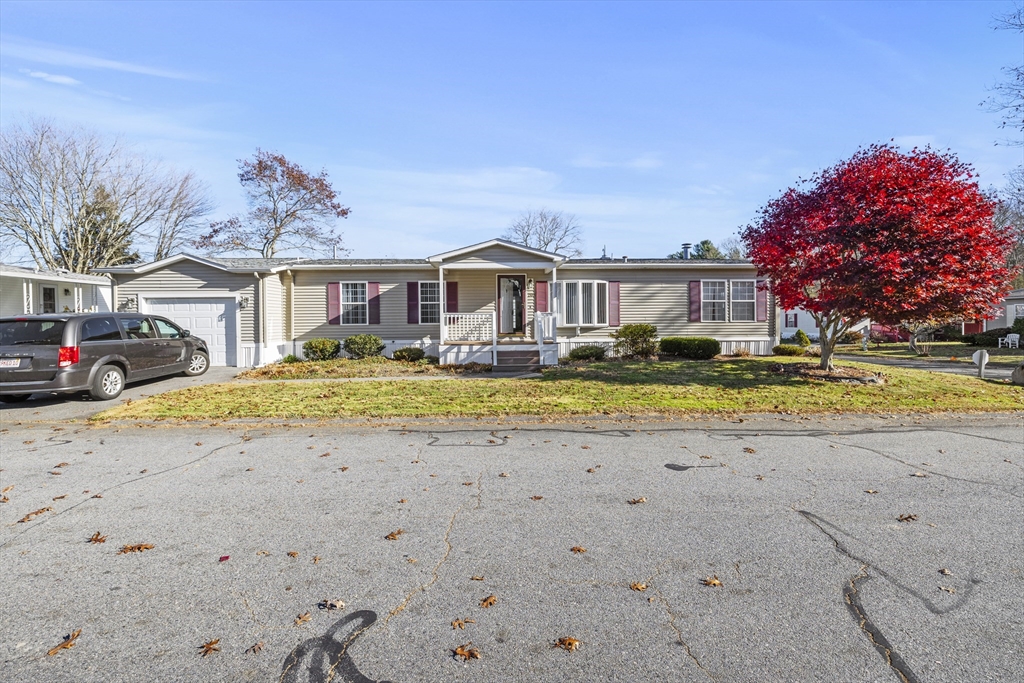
518, 369
524, 357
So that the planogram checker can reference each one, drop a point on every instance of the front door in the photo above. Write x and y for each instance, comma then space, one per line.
511, 304
49, 299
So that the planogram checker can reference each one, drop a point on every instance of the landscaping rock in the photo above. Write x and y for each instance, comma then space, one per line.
1017, 376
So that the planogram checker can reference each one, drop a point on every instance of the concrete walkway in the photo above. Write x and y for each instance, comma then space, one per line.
948, 367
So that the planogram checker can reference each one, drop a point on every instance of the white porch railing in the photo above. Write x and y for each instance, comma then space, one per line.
545, 326
471, 327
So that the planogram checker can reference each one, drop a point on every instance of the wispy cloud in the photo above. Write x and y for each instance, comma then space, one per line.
51, 78
60, 56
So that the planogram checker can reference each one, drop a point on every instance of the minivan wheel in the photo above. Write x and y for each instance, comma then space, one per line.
109, 383
197, 364
14, 398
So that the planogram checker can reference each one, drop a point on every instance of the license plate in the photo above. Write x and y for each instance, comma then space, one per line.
10, 362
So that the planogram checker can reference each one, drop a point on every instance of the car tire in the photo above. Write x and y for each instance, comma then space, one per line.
197, 364
14, 398
109, 383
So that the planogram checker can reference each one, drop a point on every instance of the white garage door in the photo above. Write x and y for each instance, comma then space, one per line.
213, 320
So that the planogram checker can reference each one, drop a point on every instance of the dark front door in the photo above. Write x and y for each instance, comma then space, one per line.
512, 304
49, 299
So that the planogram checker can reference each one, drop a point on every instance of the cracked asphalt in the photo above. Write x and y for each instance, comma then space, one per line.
820, 581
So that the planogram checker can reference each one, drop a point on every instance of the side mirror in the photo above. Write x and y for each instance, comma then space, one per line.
186, 333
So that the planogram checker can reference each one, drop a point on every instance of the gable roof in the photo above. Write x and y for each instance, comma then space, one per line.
58, 275
231, 265
438, 258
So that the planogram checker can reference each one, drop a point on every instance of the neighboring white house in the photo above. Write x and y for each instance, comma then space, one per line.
1009, 309
33, 291
799, 319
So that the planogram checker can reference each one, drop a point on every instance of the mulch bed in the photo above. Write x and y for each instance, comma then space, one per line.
843, 375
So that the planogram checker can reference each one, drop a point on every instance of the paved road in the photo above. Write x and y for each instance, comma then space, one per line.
991, 371
820, 581
55, 408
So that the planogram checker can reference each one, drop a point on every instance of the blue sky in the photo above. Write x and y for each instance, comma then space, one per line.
438, 123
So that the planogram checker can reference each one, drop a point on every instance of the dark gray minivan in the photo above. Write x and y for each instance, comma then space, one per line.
94, 352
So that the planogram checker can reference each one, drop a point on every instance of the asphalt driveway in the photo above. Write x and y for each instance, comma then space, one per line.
831, 549
51, 407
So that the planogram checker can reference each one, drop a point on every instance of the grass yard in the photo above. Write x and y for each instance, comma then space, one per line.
343, 368
954, 352
634, 388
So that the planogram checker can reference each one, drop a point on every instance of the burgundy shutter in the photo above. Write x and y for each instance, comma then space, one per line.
373, 302
613, 304
694, 301
412, 290
333, 303
540, 296
451, 297
794, 321
762, 301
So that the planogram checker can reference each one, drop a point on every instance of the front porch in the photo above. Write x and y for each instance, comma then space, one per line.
475, 338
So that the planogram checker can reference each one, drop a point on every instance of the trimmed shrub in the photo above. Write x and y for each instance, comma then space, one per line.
409, 354
1018, 326
431, 360
788, 350
591, 352
696, 348
321, 349
636, 340
291, 358
364, 345
989, 338
851, 337
801, 338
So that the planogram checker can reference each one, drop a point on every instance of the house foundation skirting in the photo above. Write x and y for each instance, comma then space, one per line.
758, 346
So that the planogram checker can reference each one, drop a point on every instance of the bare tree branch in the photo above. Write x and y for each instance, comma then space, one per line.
1008, 96
546, 230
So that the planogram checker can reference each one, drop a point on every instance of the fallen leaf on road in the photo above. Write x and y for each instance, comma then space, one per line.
467, 652
578, 549
467, 483
461, 623
488, 601
536, 497
209, 647
586, 448
6, 489
325, 455
262, 552
56, 473
255, 649
60, 497
61, 464
503, 474
393, 536
30, 441
748, 449
476, 578
98, 495
948, 589
31, 515
591, 470
224, 558
292, 553
636, 501
343, 469
302, 619
945, 571
870, 491
316, 559
705, 457
403, 500
907, 518
568, 644
4, 499
919, 474
96, 538
712, 581
249, 469
759, 477
143, 471
66, 644
637, 586
412, 560
331, 605
137, 548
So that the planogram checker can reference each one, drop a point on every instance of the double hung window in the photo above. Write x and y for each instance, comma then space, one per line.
430, 303
353, 303
713, 300
743, 300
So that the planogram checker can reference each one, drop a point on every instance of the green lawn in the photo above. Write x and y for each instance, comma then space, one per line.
633, 388
343, 368
954, 352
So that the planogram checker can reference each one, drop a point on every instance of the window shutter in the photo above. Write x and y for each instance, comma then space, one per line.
694, 301
412, 294
613, 304
333, 303
794, 321
762, 301
373, 302
451, 297
540, 296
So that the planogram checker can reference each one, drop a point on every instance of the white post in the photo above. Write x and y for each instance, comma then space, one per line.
553, 301
442, 306
494, 339
26, 289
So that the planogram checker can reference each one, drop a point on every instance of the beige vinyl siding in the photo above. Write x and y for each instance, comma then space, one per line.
286, 305
310, 304
12, 296
274, 314
662, 297
187, 276
497, 255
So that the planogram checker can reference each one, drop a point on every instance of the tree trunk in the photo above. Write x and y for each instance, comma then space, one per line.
827, 349
912, 343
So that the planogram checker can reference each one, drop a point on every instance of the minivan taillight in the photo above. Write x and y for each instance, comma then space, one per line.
68, 355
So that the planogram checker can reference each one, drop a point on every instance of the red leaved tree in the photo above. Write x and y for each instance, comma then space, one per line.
289, 208
902, 238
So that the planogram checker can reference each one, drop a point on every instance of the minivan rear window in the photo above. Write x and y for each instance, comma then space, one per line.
42, 332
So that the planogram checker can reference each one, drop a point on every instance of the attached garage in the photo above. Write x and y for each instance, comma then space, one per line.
213, 319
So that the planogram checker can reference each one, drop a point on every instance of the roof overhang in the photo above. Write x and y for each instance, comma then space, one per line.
78, 278
171, 260
440, 258
682, 264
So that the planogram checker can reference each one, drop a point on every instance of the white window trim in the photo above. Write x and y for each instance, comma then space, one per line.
440, 300
703, 289
365, 304
728, 296
561, 298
